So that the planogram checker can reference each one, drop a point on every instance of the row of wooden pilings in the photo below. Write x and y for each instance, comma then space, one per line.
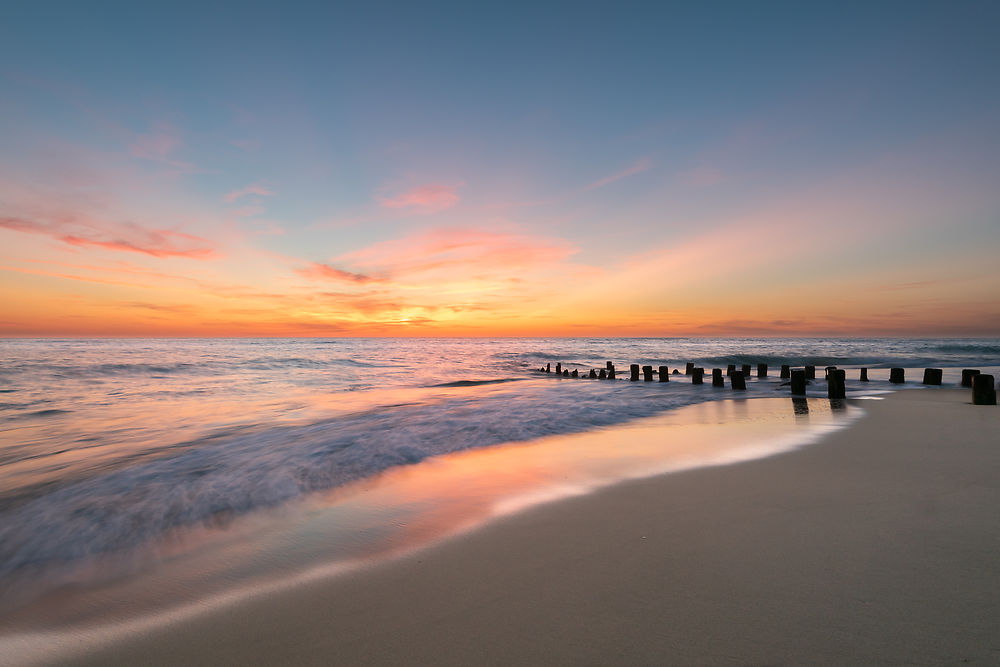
983, 390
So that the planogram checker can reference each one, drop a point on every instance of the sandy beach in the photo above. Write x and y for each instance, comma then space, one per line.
877, 545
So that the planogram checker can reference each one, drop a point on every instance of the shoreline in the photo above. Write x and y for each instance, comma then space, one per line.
790, 558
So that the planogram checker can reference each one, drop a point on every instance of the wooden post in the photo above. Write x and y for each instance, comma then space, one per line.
730, 369
835, 384
634, 368
565, 372
762, 370
664, 374
828, 370
559, 369
810, 372
738, 381
967, 375
697, 375
983, 392
593, 374
548, 368
896, 376
786, 371
689, 368
574, 374
864, 375
932, 376
603, 375
717, 379
746, 371
798, 382
647, 373
610, 366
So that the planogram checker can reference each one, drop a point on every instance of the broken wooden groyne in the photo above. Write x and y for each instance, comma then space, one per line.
983, 386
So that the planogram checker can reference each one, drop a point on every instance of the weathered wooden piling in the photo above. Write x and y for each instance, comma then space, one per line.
697, 375
593, 374
738, 381
565, 372
574, 374
610, 366
603, 375
896, 376
932, 376
827, 372
983, 391
835, 387
798, 377
664, 374
810, 372
689, 368
967, 375
717, 379
634, 370
864, 375
647, 373
786, 371
746, 371
548, 368
559, 369
762, 370
730, 369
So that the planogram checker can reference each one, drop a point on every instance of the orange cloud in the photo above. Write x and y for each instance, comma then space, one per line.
425, 199
327, 272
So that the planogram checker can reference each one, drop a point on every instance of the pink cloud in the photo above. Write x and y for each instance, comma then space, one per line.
248, 190
640, 166
159, 146
128, 237
327, 272
425, 199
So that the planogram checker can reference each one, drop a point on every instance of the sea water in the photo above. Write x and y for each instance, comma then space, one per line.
110, 445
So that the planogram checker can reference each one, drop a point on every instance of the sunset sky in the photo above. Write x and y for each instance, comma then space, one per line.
703, 168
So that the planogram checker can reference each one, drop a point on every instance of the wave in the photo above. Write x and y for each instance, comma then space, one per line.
474, 383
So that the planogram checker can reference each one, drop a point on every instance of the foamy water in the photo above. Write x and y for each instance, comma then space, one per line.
109, 446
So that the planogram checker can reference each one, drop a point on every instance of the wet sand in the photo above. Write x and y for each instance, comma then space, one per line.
880, 544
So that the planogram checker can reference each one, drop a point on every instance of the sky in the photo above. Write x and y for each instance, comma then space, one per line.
499, 169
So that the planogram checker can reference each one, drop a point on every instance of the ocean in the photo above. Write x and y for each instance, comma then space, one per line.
108, 446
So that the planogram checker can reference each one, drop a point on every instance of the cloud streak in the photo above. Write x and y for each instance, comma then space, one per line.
254, 189
424, 199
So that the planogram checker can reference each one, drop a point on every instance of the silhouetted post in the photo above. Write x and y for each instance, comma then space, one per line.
762, 370
983, 392
559, 369
548, 368
896, 376
593, 374
746, 371
738, 381
611, 373
574, 374
697, 375
610, 366
829, 369
798, 382
932, 376
786, 371
647, 373
565, 372
603, 375
835, 387
664, 374
730, 369
967, 375
810, 372
717, 379
689, 368
864, 375
634, 368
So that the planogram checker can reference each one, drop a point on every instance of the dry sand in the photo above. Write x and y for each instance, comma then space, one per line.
880, 544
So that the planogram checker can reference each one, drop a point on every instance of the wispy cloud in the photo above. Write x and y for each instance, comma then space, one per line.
128, 237
643, 164
424, 199
326, 272
254, 189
